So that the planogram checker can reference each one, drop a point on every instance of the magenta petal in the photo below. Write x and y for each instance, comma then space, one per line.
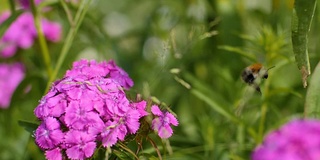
80, 145
165, 132
122, 132
54, 154
41, 111
10, 77
89, 149
156, 110
75, 153
173, 120
52, 30
109, 138
52, 123
132, 120
156, 124
75, 93
119, 75
8, 50
110, 134
59, 109
25, 41
48, 134
141, 107
71, 113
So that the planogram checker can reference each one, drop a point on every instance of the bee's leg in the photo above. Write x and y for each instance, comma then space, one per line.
257, 88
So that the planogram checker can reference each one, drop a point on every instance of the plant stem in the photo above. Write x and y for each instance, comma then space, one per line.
42, 41
12, 6
262, 121
84, 6
155, 147
68, 12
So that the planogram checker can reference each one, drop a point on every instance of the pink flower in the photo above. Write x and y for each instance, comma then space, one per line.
298, 139
22, 33
162, 122
51, 30
48, 134
10, 77
51, 106
80, 115
80, 145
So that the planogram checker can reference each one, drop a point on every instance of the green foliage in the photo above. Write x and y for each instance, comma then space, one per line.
303, 13
312, 106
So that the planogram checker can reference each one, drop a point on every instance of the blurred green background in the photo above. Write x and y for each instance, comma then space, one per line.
166, 45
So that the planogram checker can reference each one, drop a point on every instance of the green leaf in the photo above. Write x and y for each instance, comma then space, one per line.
215, 106
239, 51
123, 155
301, 21
28, 126
200, 90
148, 156
312, 105
6, 24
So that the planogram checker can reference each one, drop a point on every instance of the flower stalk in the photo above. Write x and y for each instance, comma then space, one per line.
84, 6
42, 41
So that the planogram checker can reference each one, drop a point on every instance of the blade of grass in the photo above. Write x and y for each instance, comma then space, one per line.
302, 15
238, 51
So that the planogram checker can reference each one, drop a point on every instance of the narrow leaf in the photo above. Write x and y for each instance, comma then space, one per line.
122, 155
214, 100
239, 51
312, 105
28, 126
218, 108
302, 15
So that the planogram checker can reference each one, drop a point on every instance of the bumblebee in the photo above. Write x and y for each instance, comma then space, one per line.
253, 72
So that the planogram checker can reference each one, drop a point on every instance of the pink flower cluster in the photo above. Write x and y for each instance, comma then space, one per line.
297, 140
89, 106
10, 77
22, 33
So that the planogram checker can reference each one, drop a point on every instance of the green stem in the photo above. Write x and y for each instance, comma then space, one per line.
262, 121
84, 6
12, 6
42, 41
68, 12
154, 146
124, 147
